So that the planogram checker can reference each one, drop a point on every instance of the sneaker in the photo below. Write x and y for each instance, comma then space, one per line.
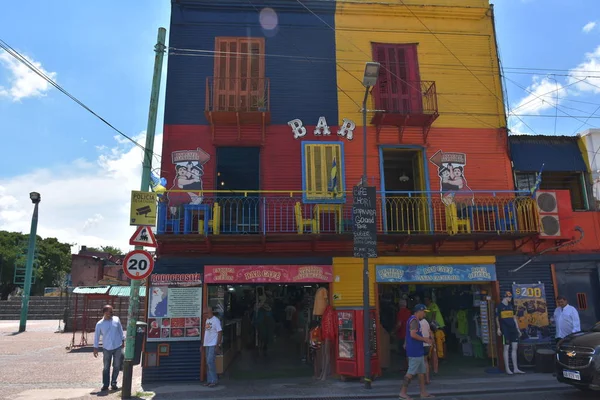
104, 388
114, 387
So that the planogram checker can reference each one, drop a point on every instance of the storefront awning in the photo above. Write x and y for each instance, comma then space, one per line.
435, 273
91, 289
556, 153
124, 291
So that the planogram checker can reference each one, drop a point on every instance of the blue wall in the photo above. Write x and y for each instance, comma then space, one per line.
299, 88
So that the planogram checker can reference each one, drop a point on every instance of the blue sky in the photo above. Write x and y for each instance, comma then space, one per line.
103, 53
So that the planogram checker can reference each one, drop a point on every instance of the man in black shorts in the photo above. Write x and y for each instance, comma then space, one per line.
508, 328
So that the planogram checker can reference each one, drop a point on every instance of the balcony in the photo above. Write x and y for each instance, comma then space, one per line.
284, 216
238, 102
405, 104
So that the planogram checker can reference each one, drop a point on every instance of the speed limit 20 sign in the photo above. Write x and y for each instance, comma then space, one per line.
138, 264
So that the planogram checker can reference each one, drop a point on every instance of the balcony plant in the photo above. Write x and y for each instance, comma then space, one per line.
261, 104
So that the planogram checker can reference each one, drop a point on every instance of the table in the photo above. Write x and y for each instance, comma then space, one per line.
336, 209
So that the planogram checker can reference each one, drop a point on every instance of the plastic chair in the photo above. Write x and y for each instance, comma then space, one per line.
215, 223
301, 222
454, 224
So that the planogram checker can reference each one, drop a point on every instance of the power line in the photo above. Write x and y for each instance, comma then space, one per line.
19, 57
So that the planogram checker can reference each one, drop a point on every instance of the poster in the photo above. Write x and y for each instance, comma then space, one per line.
532, 311
174, 307
143, 208
268, 273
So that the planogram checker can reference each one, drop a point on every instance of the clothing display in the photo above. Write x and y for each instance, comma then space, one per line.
508, 327
440, 338
463, 322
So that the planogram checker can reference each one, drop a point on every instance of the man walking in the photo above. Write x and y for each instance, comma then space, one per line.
566, 319
414, 351
212, 343
113, 340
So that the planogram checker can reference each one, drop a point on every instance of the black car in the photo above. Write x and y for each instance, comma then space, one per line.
578, 359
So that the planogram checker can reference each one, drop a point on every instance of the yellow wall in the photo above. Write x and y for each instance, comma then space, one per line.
347, 272
464, 26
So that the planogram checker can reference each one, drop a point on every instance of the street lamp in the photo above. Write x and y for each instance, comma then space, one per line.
369, 80
35, 199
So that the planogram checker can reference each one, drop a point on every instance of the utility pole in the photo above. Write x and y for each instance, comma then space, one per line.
134, 292
35, 199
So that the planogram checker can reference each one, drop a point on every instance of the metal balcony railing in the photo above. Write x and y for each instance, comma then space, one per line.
406, 97
237, 94
404, 213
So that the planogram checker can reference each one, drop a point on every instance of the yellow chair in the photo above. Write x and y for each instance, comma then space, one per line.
454, 224
214, 223
302, 223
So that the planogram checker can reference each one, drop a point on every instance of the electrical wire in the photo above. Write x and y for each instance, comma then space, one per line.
22, 59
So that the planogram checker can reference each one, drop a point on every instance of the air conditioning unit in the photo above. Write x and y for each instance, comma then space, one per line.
555, 214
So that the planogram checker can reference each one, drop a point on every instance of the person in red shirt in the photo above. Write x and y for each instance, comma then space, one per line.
401, 322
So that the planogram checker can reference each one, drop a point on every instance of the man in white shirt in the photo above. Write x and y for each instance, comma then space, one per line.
212, 343
113, 341
566, 318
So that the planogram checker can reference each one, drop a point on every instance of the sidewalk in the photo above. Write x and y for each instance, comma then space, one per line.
334, 389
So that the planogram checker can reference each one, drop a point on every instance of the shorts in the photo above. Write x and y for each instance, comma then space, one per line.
416, 366
511, 336
426, 351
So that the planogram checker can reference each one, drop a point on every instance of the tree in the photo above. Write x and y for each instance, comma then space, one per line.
106, 249
52, 261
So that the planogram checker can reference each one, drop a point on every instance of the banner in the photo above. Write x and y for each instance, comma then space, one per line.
268, 273
174, 307
532, 311
436, 273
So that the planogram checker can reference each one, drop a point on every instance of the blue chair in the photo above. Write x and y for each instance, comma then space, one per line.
188, 217
164, 222
509, 221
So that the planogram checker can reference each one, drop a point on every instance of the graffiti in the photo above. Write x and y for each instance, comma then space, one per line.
451, 170
189, 169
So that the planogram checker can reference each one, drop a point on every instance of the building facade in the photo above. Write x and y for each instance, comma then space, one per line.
263, 144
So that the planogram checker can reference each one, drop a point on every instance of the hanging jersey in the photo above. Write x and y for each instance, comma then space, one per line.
440, 338
463, 322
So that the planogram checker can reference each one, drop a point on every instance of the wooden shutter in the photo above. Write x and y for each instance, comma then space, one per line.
317, 172
239, 73
398, 86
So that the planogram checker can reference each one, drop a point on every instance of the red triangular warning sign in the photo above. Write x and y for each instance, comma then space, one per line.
143, 236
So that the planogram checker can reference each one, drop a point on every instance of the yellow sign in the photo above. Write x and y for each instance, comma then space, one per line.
143, 208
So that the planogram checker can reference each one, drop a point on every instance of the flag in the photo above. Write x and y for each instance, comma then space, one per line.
333, 175
538, 182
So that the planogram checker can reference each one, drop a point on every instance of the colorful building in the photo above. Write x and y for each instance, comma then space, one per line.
263, 144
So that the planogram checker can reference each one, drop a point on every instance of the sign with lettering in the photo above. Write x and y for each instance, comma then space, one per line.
435, 273
532, 311
364, 221
267, 273
346, 129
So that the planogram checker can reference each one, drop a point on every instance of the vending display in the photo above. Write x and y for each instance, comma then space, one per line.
350, 344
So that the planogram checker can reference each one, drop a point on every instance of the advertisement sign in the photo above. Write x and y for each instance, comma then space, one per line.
532, 311
436, 273
268, 273
174, 307
143, 208
364, 221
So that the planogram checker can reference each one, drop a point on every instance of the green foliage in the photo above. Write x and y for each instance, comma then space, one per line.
106, 249
51, 264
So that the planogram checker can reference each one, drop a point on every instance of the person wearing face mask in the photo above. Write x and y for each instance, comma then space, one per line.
508, 328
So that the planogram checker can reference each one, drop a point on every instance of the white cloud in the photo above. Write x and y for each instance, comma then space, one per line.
543, 96
83, 202
588, 69
589, 26
23, 81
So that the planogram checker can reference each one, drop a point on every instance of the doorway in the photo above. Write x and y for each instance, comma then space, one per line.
406, 201
581, 287
238, 171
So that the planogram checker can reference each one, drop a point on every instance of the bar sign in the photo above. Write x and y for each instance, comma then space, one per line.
364, 221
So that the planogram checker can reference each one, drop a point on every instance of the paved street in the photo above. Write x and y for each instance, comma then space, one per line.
524, 395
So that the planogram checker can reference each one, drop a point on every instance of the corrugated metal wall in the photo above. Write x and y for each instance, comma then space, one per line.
183, 362
300, 88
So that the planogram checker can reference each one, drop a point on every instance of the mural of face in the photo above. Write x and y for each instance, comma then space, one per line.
452, 176
189, 167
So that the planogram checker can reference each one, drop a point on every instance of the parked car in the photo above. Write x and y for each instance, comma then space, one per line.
578, 360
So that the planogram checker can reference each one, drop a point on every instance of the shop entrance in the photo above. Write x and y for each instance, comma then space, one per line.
266, 312
459, 319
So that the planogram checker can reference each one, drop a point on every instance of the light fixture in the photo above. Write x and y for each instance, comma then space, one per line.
222, 183
35, 197
371, 74
403, 177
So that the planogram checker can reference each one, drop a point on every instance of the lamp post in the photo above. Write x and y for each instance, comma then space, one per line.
35, 199
369, 80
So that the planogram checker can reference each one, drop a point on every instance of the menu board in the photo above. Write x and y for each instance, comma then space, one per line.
485, 321
364, 221
174, 307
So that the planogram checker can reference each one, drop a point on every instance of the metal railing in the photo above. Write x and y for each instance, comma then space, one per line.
406, 213
237, 94
406, 97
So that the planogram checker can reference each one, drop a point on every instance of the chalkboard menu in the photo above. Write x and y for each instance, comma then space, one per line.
364, 222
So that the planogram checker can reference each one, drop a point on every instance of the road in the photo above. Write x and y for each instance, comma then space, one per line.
567, 394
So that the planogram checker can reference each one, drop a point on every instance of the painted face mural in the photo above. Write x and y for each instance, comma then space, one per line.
451, 170
189, 169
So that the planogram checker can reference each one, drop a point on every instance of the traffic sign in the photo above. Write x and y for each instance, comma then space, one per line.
143, 236
138, 264
143, 208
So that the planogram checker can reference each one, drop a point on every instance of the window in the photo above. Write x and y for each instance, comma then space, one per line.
323, 172
398, 87
239, 73
571, 181
582, 303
